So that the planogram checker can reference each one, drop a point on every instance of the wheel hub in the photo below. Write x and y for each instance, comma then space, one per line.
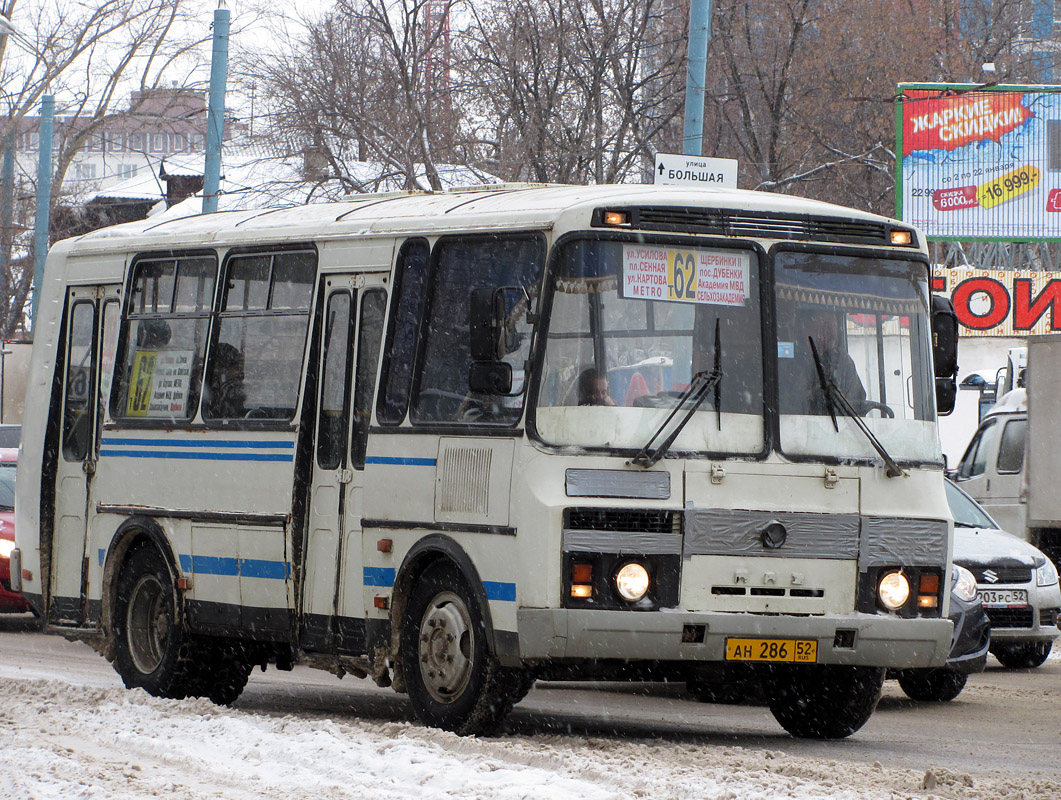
445, 647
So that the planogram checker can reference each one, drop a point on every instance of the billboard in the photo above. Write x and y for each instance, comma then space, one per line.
996, 302
980, 162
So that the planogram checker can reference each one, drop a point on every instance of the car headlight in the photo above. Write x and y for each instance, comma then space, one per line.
6, 546
632, 581
963, 584
893, 590
1046, 575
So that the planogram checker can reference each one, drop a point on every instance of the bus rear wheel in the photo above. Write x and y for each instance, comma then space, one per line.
154, 652
822, 701
453, 680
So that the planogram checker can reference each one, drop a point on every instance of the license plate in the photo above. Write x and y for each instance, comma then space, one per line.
800, 651
1003, 598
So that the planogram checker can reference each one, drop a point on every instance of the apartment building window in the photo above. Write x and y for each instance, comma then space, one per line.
159, 143
136, 142
180, 143
126, 171
115, 142
85, 171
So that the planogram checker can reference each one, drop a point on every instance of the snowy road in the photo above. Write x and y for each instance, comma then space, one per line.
71, 731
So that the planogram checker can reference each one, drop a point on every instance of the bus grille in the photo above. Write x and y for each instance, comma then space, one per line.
622, 520
725, 222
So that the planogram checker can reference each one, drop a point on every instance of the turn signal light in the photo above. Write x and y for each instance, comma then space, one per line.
928, 591
616, 218
582, 581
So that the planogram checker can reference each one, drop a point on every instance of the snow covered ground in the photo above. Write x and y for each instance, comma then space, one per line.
75, 733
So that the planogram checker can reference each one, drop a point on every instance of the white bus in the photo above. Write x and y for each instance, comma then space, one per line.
460, 442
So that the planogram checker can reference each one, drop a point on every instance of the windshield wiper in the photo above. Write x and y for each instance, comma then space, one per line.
701, 384
835, 399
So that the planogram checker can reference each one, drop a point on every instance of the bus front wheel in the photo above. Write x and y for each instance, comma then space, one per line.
453, 680
822, 701
153, 651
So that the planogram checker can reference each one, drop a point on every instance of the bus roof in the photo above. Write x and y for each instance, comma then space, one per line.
479, 208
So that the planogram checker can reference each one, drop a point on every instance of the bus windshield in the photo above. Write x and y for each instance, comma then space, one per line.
626, 338
632, 324
869, 321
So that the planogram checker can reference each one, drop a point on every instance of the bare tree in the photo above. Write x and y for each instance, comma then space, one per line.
367, 82
87, 55
572, 91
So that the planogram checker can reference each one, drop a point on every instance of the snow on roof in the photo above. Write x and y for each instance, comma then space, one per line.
252, 178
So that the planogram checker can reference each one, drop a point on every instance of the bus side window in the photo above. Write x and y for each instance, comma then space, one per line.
463, 264
80, 374
331, 419
369, 338
396, 377
159, 368
254, 367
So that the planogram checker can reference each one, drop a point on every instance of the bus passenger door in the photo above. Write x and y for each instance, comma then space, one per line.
333, 613
92, 317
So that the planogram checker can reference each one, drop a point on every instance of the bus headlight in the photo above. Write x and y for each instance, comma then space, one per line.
893, 591
6, 546
632, 581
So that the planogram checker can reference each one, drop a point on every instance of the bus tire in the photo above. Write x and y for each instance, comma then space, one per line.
822, 701
1026, 655
453, 680
939, 685
223, 672
153, 650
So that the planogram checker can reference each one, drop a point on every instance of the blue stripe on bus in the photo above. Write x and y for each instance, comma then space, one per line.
500, 591
192, 456
379, 576
235, 567
402, 462
203, 443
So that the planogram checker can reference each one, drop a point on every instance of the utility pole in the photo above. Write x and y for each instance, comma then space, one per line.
695, 77
215, 114
44, 198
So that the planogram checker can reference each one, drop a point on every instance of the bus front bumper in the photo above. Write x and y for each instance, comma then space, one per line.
852, 640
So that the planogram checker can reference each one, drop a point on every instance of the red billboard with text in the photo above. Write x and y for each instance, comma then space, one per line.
980, 162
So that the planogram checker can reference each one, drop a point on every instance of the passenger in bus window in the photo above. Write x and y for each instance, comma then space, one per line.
823, 326
225, 396
593, 388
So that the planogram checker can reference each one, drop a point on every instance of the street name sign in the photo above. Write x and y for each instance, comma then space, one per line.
682, 170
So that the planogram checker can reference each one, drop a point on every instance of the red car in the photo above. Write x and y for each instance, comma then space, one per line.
10, 602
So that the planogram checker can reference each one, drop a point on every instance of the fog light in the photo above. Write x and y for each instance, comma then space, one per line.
632, 581
893, 590
582, 591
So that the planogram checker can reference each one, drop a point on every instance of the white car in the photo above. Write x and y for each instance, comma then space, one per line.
1016, 583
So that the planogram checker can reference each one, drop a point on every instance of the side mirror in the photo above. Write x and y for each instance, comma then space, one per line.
946, 394
490, 377
486, 320
944, 337
944, 352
